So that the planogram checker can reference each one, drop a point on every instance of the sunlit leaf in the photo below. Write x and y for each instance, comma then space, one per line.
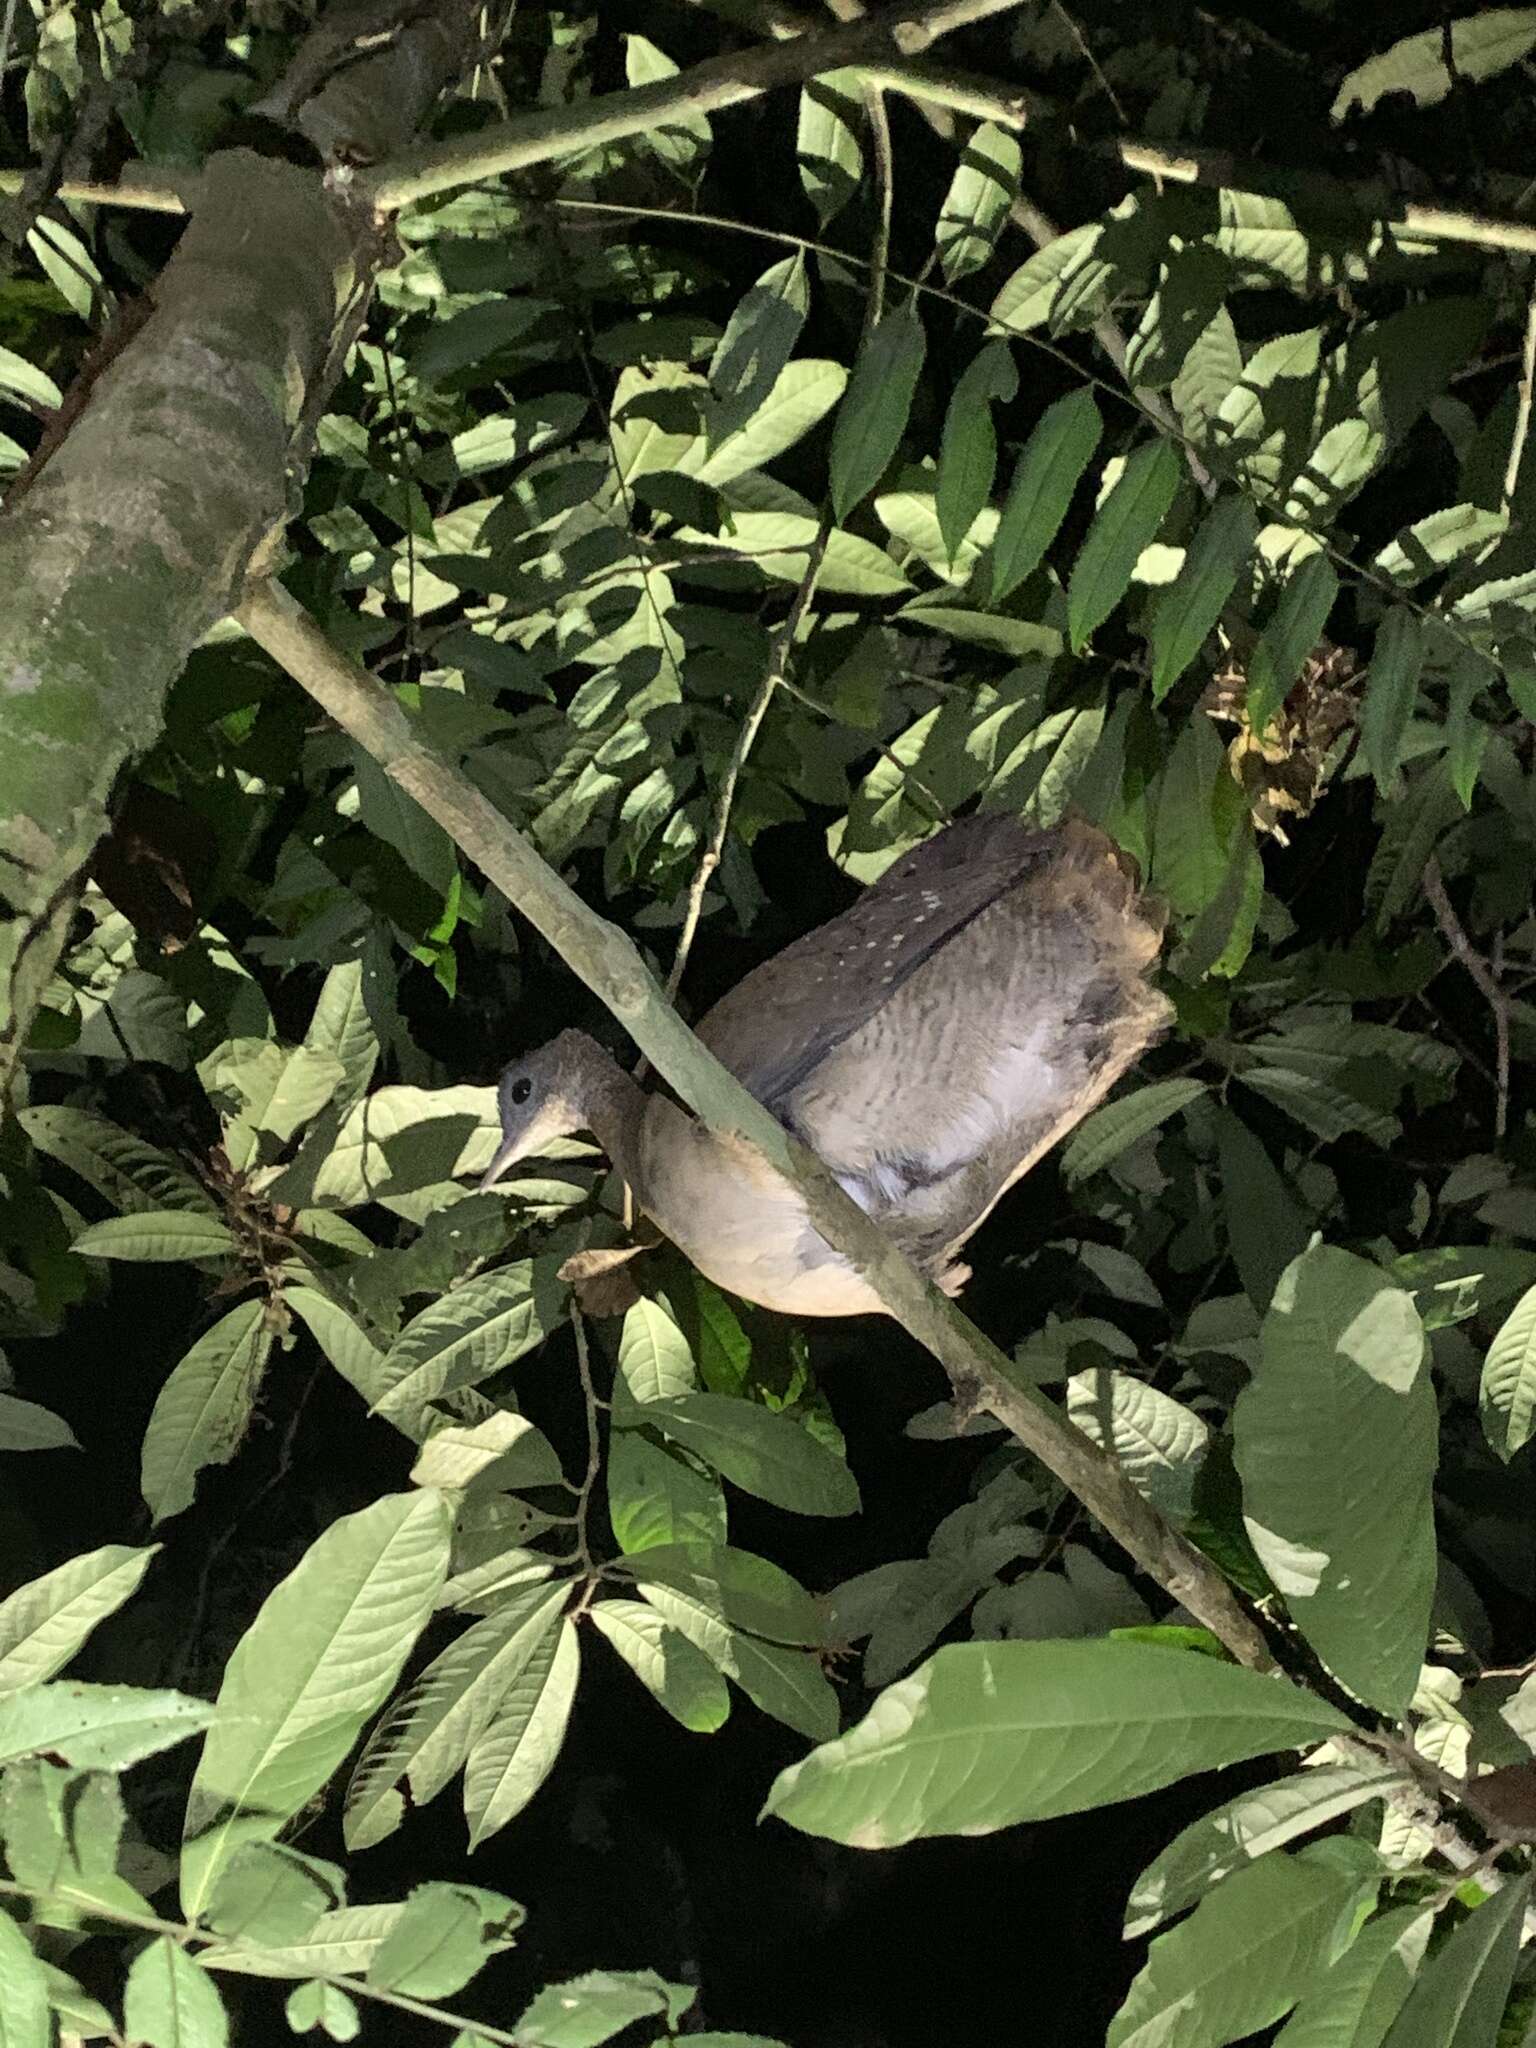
1429, 64
1335, 1441
1126, 522
873, 415
204, 1408
984, 186
989, 1734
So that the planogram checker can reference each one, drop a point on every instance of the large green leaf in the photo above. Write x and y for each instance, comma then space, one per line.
95, 1727
758, 341
23, 1991
1355, 2001
745, 1591
430, 1730
1158, 1443
1066, 274
873, 415
1265, 1225
827, 141
1335, 1440
129, 1173
516, 1753
157, 1234
43, 1623
1125, 524
1048, 472
765, 1454
1242, 1959
659, 1493
786, 1683
1458, 1999
988, 1734
1186, 609
325, 1648
171, 2001
984, 186
202, 1412
666, 1663
1429, 64
1246, 1828
1101, 1138
1508, 1395
1391, 693
968, 450
474, 1331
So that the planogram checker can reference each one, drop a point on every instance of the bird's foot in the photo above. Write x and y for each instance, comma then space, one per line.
952, 1280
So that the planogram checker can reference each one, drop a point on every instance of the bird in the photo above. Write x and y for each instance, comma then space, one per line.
929, 1044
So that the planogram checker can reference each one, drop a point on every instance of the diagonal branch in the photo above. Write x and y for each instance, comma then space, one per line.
611, 966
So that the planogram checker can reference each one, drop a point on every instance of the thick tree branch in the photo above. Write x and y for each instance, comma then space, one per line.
613, 969
136, 533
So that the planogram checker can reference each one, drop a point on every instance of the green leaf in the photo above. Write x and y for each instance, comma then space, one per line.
1335, 1440
1210, 370
764, 1454
1126, 522
1156, 1441
1265, 1227
1440, 538
171, 2001
1459, 1996
24, 1426
202, 1412
1243, 1958
156, 1234
1066, 273
1101, 1138
1246, 1828
24, 382
786, 1683
968, 449
430, 1730
1047, 474
827, 141
1480, 46
123, 1169
666, 1663
517, 1752
985, 185
873, 415
502, 1452
803, 393
474, 1331
270, 1892
1355, 2001
758, 341
395, 1141
1185, 610
683, 142
97, 1727
655, 1363
343, 1340
1290, 637
441, 1939
23, 1991
660, 1494
43, 1623
1508, 1395
341, 1943
741, 1589
988, 1734
327, 1644
1391, 693
1200, 814
323, 2006
590, 2009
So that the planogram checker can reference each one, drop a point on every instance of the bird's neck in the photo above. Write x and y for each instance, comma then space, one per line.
613, 1104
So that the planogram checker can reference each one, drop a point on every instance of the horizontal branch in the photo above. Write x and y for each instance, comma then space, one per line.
611, 966
706, 88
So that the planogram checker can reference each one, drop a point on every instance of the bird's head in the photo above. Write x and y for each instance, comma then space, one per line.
539, 1098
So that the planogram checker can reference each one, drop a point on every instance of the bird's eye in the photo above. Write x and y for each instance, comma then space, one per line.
521, 1090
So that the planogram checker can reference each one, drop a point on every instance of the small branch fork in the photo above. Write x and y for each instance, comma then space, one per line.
1455, 935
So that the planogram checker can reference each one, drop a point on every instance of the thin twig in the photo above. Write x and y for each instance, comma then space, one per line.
1094, 66
1523, 412
594, 1442
782, 652
1456, 938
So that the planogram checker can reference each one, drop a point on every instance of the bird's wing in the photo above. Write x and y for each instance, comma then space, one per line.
777, 1026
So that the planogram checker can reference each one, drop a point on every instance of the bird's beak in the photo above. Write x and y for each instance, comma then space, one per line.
508, 1152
